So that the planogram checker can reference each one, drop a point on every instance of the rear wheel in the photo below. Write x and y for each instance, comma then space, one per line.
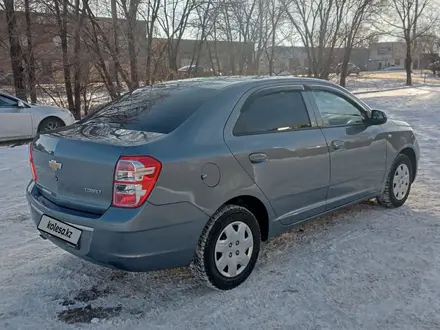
228, 248
398, 183
49, 124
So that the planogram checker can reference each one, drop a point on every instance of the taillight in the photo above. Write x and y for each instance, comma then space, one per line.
135, 178
31, 161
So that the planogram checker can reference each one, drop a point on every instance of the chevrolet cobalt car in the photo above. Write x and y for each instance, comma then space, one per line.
200, 171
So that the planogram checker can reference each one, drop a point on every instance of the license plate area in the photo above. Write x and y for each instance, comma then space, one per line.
59, 229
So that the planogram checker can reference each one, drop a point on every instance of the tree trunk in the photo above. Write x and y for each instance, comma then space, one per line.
408, 61
343, 77
132, 45
79, 18
30, 54
15, 51
148, 78
272, 51
62, 27
100, 65
115, 44
150, 34
344, 66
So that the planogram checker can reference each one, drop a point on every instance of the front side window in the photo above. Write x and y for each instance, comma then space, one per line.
336, 110
274, 112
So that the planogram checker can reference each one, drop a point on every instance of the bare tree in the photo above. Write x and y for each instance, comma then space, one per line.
430, 45
93, 43
100, 43
115, 42
318, 24
30, 60
225, 29
130, 8
173, 21
243, 13
410, 21
15, 50
79, 21
151, 17
62, 14
276, 12
357, 14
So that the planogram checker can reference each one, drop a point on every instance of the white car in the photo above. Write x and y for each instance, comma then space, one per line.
20, 120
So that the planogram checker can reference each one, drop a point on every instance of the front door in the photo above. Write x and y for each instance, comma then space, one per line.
273, 137
15, 122
357, 150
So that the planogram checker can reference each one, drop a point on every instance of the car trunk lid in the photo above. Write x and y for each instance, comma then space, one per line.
75, 165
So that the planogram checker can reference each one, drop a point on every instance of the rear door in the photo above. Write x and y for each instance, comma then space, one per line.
15, 122
276, 140
357, 150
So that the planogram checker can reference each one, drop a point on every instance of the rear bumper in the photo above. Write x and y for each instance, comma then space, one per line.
149, 238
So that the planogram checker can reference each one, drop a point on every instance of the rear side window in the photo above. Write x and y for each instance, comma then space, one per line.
159, 109
274, 112
7, 102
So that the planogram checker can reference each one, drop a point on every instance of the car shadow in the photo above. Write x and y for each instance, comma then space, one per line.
15, 143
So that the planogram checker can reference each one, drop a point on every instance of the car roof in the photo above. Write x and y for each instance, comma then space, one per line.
223, 82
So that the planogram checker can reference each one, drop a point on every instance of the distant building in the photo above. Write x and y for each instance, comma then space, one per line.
291, 59
385, 54
223, 56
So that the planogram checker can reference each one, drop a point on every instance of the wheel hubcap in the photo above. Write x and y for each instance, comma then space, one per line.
233, 249
401, 182
51, 125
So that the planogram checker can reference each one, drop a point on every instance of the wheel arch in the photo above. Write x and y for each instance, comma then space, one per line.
411, 154
257, 208
49, 117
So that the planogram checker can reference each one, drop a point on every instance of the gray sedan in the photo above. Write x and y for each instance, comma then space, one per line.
20, 120
201, 171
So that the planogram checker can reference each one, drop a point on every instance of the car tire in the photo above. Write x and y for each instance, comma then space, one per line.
398, 184
218, 241
49, 124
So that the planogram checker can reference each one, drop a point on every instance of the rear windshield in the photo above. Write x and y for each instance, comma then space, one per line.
159, 109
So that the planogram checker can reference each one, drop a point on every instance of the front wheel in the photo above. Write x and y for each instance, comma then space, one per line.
398, 183
228, 248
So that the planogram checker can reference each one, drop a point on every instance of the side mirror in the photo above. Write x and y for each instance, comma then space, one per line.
20, 104
378, 117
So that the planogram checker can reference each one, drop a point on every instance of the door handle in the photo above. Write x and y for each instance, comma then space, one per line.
337, 144
257, 157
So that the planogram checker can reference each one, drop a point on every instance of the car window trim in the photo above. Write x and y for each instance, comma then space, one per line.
363, 110
270, 90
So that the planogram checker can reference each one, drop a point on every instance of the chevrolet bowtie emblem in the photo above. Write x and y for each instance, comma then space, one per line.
54, 165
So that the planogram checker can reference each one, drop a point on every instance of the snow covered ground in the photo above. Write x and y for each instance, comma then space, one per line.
385, 80
364, 267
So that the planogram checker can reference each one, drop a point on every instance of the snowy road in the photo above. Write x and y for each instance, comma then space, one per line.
361, 268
